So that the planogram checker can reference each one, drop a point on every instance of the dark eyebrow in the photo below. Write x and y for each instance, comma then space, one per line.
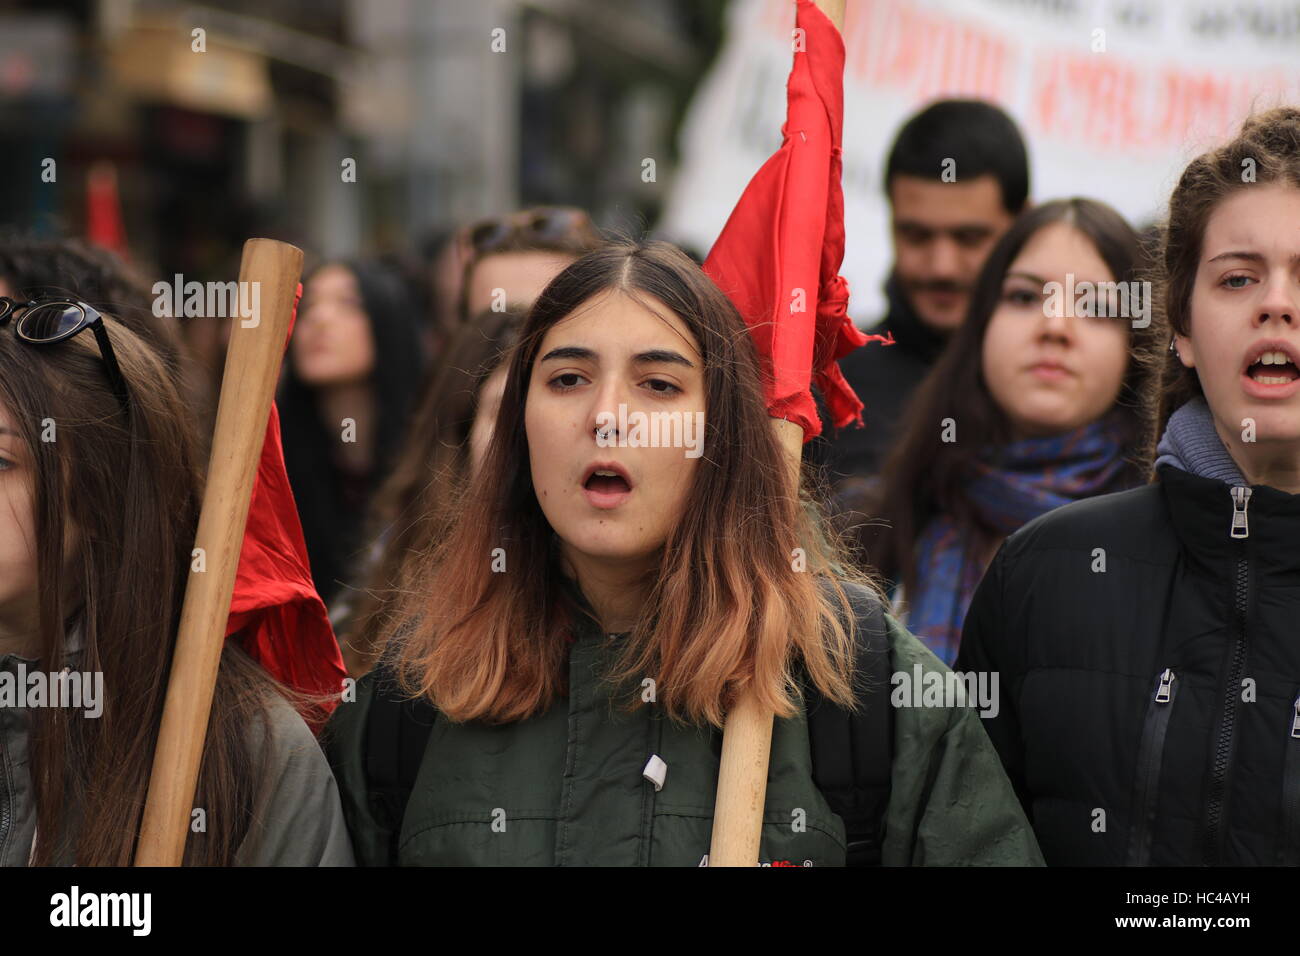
641, 358
1037, 280
976, 227
1248, 256
662, 356
569, 352
9, 431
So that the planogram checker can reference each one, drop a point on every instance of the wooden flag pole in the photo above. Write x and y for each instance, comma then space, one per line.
834, 10
247, 390
747, 737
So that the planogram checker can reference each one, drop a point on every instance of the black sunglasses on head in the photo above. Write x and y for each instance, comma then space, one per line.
46, 321
547, 224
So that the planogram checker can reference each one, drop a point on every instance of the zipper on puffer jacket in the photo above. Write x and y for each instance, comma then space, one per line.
1289, 852
1223, 746
1150, 757
6, 802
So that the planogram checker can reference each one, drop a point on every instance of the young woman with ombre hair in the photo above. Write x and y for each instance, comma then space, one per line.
554, 681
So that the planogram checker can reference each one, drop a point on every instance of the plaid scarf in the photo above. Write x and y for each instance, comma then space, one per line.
1009, 487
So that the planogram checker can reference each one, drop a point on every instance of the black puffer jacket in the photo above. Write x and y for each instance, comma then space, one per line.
1149, 668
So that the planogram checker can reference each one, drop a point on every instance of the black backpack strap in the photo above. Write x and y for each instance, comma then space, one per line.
852, 753
397, 733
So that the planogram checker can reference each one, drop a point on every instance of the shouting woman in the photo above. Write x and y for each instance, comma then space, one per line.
553, 686
1146, 640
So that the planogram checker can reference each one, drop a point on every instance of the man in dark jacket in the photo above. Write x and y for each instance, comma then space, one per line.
956, 177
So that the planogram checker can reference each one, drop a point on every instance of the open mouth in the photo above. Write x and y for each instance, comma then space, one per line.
1273, 368
607, 483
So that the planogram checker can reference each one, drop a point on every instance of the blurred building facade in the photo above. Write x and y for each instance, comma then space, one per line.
345, 126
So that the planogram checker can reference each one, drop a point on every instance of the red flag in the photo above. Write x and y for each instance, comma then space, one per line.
104, 208
779, 255
286, 626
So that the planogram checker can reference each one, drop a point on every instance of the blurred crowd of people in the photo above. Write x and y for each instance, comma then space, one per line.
408, 350
407, 354
990, 408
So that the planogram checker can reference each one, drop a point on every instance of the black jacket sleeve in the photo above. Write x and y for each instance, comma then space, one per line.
988, 645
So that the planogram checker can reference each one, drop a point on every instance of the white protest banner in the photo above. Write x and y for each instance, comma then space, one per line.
1113, 99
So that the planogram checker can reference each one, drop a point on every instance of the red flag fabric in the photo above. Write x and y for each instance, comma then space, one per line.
285, 625
779, 255
104, 208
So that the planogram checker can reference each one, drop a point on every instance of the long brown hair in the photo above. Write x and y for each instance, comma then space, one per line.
730, 609
412, 506
129, 485
925, 475
1269, 147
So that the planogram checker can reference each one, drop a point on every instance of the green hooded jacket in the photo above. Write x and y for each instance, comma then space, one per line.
568, 787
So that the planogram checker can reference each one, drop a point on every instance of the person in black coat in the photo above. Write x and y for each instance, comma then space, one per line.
355, 365
1145, 641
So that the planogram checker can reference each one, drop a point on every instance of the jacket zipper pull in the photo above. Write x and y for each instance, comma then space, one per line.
1295, 720
1163, 692
1240, 501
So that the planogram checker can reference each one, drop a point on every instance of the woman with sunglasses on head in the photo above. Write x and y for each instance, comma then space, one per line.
1147, 640
99, 493
512, 258
32, 266
559, 667
1035, 403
